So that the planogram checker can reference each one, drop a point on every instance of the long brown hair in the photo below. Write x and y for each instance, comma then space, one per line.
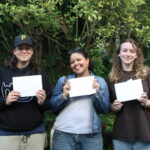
139, 70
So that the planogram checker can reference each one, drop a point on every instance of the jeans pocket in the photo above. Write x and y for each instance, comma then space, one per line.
57, 134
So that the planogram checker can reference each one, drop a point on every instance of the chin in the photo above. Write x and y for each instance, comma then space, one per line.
24, 61
128, 63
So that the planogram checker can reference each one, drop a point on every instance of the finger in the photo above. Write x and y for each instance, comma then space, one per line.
144, 95
116, 102
40, 96
95, 83
41, 91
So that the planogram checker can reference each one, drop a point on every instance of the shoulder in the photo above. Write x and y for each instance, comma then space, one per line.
70, 76
4, 69
5, 73
63, 79
148, 72
148, 75
98, 78
101, 81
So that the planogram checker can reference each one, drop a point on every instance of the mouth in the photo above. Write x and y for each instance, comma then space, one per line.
24, 55
128, 59
77, 68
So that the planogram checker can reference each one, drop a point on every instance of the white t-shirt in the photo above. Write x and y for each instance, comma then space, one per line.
76, 117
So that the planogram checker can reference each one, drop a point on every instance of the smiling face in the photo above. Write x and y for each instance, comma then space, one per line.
128, 54
79, 64
23, 53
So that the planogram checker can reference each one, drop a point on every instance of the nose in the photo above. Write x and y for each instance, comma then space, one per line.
128, 53
23, 50
75, 63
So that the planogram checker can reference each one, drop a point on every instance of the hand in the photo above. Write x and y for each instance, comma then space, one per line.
66, 89
12, 97
41, 95
96, 85
143, 99
116, 106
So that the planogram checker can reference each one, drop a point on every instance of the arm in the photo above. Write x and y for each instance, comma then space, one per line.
101, 98
7, 96
147, 102
116, 106
58, 102
2, 103
43, 96
10, 98
145, 96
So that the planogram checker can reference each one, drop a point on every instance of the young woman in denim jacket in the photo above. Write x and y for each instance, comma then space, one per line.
78, 126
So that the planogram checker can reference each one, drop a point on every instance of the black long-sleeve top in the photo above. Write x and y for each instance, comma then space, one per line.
25, 114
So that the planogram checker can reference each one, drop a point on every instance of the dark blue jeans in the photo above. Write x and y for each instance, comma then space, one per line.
69, 141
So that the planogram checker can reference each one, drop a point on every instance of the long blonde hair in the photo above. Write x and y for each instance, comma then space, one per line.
139, 70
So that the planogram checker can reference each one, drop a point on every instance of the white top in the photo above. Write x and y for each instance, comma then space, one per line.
76, 117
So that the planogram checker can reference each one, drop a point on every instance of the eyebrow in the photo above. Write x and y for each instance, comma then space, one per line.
127, 49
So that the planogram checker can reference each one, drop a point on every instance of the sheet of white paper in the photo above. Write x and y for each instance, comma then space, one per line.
81, 86
129, 90
27, 85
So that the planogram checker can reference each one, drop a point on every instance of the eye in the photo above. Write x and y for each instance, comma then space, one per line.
123, 50
71, 62
132, 50
24, 47
79, 59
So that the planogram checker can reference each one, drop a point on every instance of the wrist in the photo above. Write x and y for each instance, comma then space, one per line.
7, 103
146, 104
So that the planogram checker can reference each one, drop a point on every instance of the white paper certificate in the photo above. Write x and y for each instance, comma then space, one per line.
27, 85
129, 90
81, 86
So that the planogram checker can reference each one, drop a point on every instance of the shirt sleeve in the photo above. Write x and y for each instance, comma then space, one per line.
148, 80
46, 87
101, 98
112, 93
57, 102
2, 100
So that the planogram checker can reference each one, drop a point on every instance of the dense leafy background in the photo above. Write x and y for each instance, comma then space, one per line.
56, 26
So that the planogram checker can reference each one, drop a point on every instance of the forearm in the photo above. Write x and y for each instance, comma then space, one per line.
101, 102
57, 103
101, 98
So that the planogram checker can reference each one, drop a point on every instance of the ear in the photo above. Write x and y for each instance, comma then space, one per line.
88, 60
14, 51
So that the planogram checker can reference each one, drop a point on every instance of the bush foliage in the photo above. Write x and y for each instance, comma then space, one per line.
56, 26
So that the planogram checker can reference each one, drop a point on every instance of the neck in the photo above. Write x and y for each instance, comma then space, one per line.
86, 74
127, 67
22, 65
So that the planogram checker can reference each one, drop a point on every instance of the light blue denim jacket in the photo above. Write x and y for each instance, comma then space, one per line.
100, 100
